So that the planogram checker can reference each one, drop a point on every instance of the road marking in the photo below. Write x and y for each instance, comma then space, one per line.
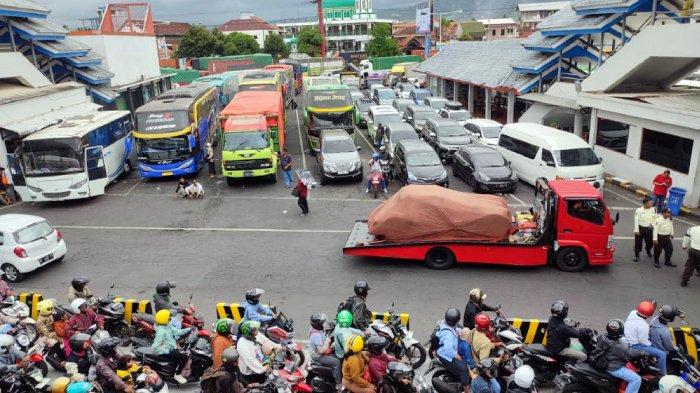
134, 186
301, 140
518, 199
371, 145
639, 201
194, 229
677, 239
622, 196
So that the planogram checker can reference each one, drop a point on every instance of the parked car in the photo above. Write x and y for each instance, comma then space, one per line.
380, 114
418, 95
362, 111
417, 115
453, 110
397, 132
415, 162
536, 151
404, 89
338, 157
383, 96
485, 131
446, 136
484, 169
435, 103
400, 104
27, 243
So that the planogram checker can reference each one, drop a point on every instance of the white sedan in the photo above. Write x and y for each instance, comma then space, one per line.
26, 243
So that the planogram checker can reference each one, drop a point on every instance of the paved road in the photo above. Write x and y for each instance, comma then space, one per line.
250, 235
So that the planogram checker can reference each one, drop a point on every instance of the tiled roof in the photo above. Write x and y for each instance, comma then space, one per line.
473, 28
252, 23
485, 63
537, 40
601, 3
567, 18
171, 28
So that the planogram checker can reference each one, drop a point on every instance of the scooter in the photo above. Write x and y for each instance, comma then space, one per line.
584, 378
281, 331
401, 342
400, 378
285, 364
444, 382
27, 380
144, 324
375, 180
678, 364
320, 378
13, 308
113, 314
197, 348
505, 332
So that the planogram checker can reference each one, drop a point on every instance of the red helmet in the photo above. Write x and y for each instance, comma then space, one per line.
482, 321
646, 309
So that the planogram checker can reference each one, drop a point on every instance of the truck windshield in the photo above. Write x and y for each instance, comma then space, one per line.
46, 157
591, 210
163, 149
576, 157
245, 140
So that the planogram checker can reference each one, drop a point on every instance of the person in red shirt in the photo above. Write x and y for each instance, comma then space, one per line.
303, 192
662, 182
378, 359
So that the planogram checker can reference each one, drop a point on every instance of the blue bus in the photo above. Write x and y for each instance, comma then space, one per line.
226, 84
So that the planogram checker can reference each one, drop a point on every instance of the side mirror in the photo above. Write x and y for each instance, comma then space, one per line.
358, 147
550, 163
600, 159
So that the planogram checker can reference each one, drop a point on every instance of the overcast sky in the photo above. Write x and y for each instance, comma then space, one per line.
209, 12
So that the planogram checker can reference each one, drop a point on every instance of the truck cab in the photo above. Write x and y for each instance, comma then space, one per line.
248, 149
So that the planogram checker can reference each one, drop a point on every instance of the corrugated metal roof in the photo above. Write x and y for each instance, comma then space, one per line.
537, 40
566, 18
684, 102
91, 58
39, 27
484, 63
11, 92
63, 46
39, 122
576, 4
23, 6
94, 74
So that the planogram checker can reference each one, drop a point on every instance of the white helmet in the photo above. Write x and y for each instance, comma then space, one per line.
524, 377
75, 305
674, 384
6, 342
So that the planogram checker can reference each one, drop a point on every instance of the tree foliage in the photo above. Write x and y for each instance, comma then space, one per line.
274, 45
382, 43
198, 42
240, 44
466, 37
309, 41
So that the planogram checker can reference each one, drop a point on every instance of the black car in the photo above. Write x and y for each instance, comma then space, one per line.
484, 169
415, 162
446, 136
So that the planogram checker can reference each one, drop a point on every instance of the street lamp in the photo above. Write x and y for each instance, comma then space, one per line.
440, 14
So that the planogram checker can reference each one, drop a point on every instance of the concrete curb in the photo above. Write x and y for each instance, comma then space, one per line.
625, 185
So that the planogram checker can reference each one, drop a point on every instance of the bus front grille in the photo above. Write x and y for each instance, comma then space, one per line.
56, 194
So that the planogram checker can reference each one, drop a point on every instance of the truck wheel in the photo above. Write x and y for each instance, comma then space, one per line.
273, 178
230, 181
440, 258
571, 259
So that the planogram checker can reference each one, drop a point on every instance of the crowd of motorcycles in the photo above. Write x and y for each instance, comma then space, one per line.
291, 373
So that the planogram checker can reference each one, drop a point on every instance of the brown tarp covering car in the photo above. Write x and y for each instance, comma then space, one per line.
433, 213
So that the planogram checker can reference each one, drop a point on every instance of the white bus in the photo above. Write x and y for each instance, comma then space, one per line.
74, 159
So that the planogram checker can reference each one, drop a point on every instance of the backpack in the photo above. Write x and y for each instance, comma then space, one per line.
208, 380
434, 340
598, 357
346, 305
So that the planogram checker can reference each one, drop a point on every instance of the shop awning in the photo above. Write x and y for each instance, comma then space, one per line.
24, 127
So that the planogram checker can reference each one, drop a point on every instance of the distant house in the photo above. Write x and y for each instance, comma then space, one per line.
408, 39
500, 28
530, 14
251, 25
474, 30
172, 33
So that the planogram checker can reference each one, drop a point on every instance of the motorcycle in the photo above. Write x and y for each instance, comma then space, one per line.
281, 330
144, 324
401, 342
584, 378
375, 179
678, 364
320, 378
14, 309
399, 378
444, 382
505, 332
27, 380
113, 314
285, 364
196, 347
386, 169
143, 379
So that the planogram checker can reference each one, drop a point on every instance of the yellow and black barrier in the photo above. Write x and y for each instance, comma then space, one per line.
384, 317
31, 300
132, 306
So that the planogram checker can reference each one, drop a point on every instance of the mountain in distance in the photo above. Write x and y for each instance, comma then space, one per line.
471, 9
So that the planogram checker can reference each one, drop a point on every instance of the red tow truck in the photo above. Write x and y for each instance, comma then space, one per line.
571, 228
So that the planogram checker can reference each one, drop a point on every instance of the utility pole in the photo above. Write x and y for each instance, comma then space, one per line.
321, 27
430, 30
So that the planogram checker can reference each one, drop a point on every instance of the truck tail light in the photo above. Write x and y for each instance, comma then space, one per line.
610, 242
20, 252
59, 236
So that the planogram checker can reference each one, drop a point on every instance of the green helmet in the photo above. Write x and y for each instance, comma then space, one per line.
248, 326
224, 326
344, 318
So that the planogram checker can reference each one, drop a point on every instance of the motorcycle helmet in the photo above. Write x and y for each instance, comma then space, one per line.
60, 385
6, 342
362, 287
59, 313
344, 318
252, 296
376, 344
229, 356
355, 344
382, 149
524, 377
482, 322
76, 304
668, 313
477, 295
45, 307
162, 317
615, 329
224, 326
452, 316
108, 346
487, 367
77, 341
163, 287
560, 309
318, 320
80, 387
674, 384
376, 156
249, 327
646, 309
79, 283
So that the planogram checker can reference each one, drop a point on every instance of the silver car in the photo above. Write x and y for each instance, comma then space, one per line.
338, 157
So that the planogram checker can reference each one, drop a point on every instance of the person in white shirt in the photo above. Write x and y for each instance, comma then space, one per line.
643, 232
195, 190
250, 356
663, 238
692, 240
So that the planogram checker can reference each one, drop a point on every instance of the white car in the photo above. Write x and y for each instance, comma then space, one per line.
485, 131
26, 243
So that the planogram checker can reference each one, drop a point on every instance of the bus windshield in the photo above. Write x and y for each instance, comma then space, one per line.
46, 157
328, 98
257, 88
245, 140
163, 149
329, 119
158, 122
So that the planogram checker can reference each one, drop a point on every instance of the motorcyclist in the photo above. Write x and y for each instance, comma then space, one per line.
355, 367
319, 346
80, 352
482, 346
375, 168
378, 359
83, 318
5, 289
474, 306
523, 380
165, 342
162, 300
484, 379
659, 333
343, 332
254, 311
222, 340
618, 353
11, 357
79, 289
637, 332
357, 305
227, 377
559, 333
251, 359
384, 155
464, 348
106, 367
44, 323
448, 336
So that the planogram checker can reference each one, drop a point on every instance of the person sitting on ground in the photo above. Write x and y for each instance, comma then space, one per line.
79, 290
181, 189
165, 342
378, 359
222, 340
355, 367
195, 190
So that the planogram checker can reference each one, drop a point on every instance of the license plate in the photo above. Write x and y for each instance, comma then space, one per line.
247, 173
46, 258
343, 172
167, 173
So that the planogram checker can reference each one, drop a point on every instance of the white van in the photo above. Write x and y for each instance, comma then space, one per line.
538, 151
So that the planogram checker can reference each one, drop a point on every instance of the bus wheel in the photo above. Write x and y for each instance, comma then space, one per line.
440, 258
571, 259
